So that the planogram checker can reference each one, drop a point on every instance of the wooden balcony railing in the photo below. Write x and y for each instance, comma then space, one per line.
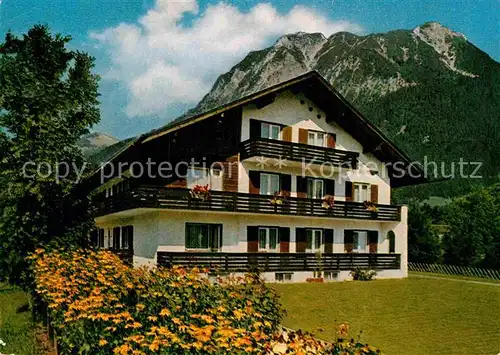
277, 262
171, 198
271, 148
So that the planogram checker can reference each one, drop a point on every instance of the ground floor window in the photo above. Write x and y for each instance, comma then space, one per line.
203, 236
360, 241
283, 276
268, 239
314, 240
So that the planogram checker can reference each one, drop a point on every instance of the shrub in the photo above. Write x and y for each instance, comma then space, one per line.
99, 305
363, 274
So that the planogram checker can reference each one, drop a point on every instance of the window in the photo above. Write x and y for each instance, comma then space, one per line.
361, 192
360, 241
316, 138
197, 176
203, 236
314, 240
202, 176
269, 184
270, 131
268, 239
283, 276
315, 188
330, 275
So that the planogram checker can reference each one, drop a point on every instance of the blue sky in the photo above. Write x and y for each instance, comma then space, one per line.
158, 59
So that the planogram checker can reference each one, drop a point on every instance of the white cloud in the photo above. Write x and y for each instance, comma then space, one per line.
162, 62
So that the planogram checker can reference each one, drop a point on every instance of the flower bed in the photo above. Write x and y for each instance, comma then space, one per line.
99, 305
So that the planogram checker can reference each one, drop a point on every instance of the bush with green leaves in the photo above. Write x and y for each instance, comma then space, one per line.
363, 274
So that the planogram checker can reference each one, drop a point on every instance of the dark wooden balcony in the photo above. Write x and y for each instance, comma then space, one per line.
279, 262
180, 199
270, 148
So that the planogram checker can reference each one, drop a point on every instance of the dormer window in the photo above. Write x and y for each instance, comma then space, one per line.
270, 131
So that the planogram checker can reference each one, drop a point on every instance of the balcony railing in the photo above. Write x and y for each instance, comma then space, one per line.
277, 262
171, 198
277, 149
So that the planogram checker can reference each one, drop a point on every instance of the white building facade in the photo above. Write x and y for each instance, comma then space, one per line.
298, 186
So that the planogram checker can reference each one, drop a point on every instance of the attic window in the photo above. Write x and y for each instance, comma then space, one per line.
318, 116
302, 102
310, 109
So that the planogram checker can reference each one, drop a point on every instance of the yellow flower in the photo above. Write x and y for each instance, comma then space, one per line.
103, 342
165, 312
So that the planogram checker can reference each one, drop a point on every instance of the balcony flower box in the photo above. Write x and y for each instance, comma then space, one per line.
200, 193
328, 202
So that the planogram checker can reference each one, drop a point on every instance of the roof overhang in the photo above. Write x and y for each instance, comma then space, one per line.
402, 170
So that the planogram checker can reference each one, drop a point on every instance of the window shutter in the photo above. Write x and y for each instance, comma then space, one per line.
101, 238
373, 241
328, 241
392, 241
348, 240
284, 239
331, 140
116, 238
303, 136
131, 237
255, 128
300, 240
94, 238
349, 191
254, 183
252, 239
286, 183
301, 187
329, 187
287, 133
374, 193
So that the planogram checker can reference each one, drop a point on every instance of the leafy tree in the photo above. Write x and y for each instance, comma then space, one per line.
423, 242
474, 237
48, 99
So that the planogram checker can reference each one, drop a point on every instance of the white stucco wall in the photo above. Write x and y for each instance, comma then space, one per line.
164, 230
287, 110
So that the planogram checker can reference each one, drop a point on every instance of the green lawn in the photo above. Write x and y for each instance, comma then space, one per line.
16, 327
408, 316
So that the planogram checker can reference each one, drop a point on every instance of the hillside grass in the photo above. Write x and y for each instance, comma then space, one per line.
17, 328
402, 317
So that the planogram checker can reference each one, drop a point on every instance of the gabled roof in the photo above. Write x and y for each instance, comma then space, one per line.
338, 110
